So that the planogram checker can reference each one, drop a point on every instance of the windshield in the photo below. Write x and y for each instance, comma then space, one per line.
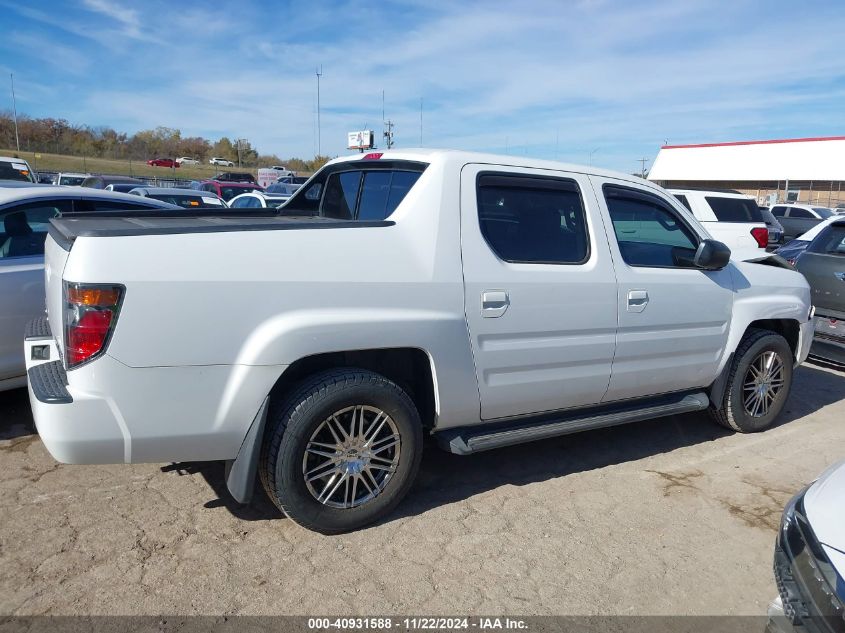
823, 212
831, 241
73, 181
15, 171
227, 193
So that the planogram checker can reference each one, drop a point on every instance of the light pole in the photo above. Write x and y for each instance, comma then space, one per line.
591, 155
15, 110
319, 73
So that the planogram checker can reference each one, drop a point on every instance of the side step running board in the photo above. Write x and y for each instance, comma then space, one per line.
473, 439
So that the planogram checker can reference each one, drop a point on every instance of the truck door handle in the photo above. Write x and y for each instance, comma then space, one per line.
494, 303
637, 300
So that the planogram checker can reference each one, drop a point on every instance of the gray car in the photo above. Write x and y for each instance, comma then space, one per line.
797, 219
25, 214
823, 264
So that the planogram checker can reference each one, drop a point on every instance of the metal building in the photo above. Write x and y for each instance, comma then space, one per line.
800, 169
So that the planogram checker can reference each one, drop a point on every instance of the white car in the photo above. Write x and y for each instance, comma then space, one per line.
187, 160
258, 200
731, 217
220, 161
483, 300
70, 179
15, 169
810, 558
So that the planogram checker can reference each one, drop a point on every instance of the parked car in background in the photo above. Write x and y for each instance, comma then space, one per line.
187, 160
47, 178
282, 188
823, 264
293, 180
187, 198
102, 182
228, 190
25, 214
70, 179
729, 216
258, 200
220, 161
283, 171
792, 249
809, 560
234, 176
482, 300
775, 229
797, 219
16, 169
162, 162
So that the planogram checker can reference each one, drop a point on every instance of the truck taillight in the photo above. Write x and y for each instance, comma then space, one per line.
90, 315
761, 235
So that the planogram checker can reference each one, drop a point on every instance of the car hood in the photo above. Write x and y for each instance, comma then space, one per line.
824, 504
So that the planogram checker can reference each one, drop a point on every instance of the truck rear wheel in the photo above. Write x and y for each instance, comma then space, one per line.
758, 383
342, 451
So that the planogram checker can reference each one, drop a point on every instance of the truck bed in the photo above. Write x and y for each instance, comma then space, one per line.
66, 229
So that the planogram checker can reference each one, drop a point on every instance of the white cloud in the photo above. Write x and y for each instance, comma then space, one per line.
620, 76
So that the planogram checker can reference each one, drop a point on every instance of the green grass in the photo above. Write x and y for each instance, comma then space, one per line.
41, 161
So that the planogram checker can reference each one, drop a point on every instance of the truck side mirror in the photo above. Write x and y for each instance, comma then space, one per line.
711, 255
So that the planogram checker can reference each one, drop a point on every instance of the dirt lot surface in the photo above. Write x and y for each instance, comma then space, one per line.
671, 516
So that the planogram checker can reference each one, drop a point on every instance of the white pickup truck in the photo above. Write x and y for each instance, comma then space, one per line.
487, 300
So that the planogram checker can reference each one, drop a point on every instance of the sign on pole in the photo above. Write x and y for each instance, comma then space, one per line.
360, 140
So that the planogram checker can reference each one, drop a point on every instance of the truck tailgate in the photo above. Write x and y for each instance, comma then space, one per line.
55, 258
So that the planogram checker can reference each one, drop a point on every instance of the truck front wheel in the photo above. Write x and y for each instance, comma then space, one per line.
342, 450
758, 384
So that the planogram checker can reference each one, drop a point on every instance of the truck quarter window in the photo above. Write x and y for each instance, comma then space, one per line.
734, 209
534, 220
683, 200
23, 228
366, 190
341, 195
648, 233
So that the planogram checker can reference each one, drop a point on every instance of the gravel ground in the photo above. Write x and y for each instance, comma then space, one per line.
671, 516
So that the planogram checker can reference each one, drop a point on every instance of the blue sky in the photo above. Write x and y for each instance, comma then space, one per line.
549, 79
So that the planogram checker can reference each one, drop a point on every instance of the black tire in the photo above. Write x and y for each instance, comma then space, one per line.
292, 426
731, 412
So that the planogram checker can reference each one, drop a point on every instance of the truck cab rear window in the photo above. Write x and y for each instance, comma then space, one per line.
368, 191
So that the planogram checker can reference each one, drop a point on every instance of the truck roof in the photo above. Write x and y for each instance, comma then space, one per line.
446, 156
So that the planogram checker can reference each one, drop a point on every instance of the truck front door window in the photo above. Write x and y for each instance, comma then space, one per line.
650, 235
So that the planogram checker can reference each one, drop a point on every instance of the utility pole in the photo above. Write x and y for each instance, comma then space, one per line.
388, 125
388, 133
319, 73
642, 161
15, 110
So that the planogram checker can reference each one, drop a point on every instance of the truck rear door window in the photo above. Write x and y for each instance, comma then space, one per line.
533, 220
735, 209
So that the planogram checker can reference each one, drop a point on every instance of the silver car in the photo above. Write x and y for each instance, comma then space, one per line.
25, 214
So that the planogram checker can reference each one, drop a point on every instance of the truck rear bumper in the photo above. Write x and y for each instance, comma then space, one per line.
106, 412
